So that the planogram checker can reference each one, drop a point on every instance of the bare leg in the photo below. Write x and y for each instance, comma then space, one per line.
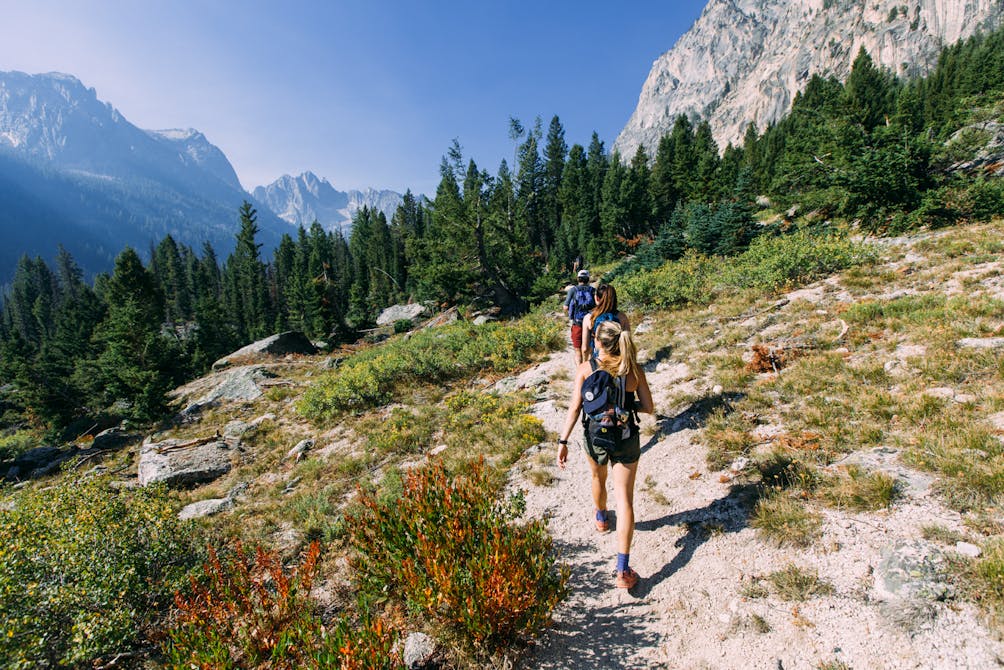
599, 485
624, 475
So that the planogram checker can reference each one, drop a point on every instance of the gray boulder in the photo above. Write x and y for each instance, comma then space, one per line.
114, 438
910, 579
205, 508
300, 449
400, 313
982, 342
238, 384
289, 342
443, 318
179, 463
418, 650
39, 457
236, 429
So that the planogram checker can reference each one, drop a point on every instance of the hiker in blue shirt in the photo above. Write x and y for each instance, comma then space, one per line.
579, 300
605, 310
618, 358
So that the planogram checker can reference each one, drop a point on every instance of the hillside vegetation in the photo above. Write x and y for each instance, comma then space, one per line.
810, 378
891, 155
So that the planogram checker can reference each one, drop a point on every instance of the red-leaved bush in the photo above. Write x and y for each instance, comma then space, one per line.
450, 548
248, 611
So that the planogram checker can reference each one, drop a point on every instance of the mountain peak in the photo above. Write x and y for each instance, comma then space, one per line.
307, 198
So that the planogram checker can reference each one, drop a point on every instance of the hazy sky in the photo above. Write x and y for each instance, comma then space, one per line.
364, 93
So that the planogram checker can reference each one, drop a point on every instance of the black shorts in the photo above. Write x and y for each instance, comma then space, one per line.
629, 452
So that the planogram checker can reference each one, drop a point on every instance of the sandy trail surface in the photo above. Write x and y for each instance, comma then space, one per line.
695, 552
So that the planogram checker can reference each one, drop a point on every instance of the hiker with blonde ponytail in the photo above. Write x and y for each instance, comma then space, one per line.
609, 391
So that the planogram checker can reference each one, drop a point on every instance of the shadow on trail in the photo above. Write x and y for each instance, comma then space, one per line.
693, 417
658, 357
729, 514
598, 637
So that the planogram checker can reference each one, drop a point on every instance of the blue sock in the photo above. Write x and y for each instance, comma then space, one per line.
622, 562
601, 515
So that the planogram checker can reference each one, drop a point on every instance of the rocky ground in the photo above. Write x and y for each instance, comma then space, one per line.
890, 605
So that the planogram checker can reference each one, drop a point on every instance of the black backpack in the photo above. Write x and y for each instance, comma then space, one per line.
583, 300
604, 413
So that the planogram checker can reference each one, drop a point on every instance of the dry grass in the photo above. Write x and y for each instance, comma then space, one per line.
941, 534
654, 493
859, 490
832, 665
785, 521
727, 437
798, 584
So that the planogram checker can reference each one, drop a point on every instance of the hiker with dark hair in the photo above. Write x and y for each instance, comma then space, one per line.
609, 391
605, 310
579, 300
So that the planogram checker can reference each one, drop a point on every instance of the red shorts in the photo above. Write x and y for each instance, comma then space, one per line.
577, 335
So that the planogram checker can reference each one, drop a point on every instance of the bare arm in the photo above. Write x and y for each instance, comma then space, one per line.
644, 394
574, 407
622, 318
587, 324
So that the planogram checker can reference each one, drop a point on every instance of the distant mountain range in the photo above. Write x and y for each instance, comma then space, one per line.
74, 171
744, 60
308, 198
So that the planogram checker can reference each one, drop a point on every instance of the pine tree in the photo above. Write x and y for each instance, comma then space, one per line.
869, 92
576, 202
245, 285
135, 361
555, 152
613, 212
684, 162
663, 189
706, 161
634, 195
597, 164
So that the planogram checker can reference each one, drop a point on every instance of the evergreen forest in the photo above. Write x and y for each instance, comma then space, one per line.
877, 152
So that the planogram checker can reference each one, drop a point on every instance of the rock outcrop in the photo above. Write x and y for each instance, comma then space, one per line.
289, 342
744, 60
396, 313
178, 463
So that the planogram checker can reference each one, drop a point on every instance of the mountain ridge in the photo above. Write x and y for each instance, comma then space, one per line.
106, 183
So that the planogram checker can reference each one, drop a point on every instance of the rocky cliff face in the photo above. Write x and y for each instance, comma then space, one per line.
744, 60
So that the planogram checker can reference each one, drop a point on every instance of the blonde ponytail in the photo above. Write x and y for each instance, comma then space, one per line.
621, 358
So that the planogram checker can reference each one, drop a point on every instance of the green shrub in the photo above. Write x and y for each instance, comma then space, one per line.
449, 550
403, 325
374, 377
773, 263
247, 611
770, 264
85, 569
15, 444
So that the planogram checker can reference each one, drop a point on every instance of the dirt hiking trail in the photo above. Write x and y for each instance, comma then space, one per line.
695, 552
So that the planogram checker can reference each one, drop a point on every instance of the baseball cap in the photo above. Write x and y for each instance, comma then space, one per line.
583, 273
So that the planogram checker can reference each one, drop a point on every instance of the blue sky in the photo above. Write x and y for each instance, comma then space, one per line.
366, 94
